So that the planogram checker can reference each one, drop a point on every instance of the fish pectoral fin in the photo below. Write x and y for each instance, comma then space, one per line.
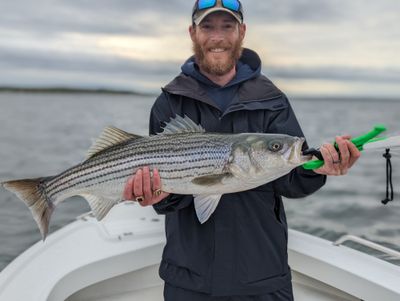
100, 205
205, 205
210, 180
109, 137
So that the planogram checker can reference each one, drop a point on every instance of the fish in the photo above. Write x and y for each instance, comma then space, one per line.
190, 161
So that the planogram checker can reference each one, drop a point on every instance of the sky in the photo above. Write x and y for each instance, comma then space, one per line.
308, 47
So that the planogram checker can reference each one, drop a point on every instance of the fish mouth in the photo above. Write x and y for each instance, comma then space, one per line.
295, 154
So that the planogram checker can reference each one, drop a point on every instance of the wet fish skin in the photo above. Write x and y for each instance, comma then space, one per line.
189, 161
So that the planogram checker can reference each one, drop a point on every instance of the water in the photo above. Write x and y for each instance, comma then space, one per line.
44, 134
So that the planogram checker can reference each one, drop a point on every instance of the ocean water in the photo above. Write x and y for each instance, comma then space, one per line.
43, 134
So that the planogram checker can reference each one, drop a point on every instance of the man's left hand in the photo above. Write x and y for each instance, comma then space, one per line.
338, 163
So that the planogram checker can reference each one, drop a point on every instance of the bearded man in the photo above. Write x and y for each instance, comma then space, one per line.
240, 253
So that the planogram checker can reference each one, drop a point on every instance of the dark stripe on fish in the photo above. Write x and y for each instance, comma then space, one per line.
151, 160
165, 171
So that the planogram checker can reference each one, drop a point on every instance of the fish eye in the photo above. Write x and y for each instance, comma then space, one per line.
275, 146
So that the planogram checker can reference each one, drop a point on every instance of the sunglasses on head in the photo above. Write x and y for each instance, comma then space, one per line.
233, 5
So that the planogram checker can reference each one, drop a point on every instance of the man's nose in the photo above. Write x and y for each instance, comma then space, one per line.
217, 35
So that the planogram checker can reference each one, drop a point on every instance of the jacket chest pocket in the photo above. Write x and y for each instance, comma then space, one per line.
256, 116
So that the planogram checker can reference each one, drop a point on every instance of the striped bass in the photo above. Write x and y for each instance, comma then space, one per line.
189, 161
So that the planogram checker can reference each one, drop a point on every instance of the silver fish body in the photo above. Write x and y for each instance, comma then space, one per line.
179, 158
189, 161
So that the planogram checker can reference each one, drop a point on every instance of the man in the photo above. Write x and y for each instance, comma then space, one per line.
240, 253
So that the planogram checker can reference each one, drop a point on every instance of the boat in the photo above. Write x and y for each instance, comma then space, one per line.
118, 258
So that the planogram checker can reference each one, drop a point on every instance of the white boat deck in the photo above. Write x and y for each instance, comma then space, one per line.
117, 259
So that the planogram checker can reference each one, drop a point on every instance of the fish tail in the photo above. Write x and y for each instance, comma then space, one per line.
32, 193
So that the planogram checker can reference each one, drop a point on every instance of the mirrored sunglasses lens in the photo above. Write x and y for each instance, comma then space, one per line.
203, 4
231, 4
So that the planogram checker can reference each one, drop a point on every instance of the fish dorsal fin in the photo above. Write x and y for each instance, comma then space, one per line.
182, 125
109, 137
100, 205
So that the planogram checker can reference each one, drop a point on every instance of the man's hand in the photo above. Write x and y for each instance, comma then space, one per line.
144, 188
335, 164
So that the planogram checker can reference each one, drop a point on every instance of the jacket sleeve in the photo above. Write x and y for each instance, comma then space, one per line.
161, 112
299, 182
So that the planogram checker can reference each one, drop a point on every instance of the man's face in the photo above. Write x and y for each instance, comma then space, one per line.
217, 43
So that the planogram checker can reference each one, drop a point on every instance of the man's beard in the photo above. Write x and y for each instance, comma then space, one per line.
220, 67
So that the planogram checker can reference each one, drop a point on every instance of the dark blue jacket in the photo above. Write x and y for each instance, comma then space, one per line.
242, 248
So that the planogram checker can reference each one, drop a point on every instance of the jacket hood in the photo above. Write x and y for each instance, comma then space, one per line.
188, 82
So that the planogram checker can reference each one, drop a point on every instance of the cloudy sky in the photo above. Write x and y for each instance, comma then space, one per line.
308, 47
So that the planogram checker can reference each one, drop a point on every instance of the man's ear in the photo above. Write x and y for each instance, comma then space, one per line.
192, 31
242, 31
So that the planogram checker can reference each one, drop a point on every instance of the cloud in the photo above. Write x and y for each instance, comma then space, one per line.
296, 11
102, 17
371, 75
320, 12
76, 61
120, 42
46, 68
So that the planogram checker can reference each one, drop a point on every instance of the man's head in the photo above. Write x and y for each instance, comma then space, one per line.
217, 33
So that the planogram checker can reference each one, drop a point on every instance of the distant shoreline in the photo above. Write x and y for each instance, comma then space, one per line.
61, 90
71, 91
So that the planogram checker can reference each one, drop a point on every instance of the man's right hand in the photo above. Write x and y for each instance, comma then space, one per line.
144, 188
